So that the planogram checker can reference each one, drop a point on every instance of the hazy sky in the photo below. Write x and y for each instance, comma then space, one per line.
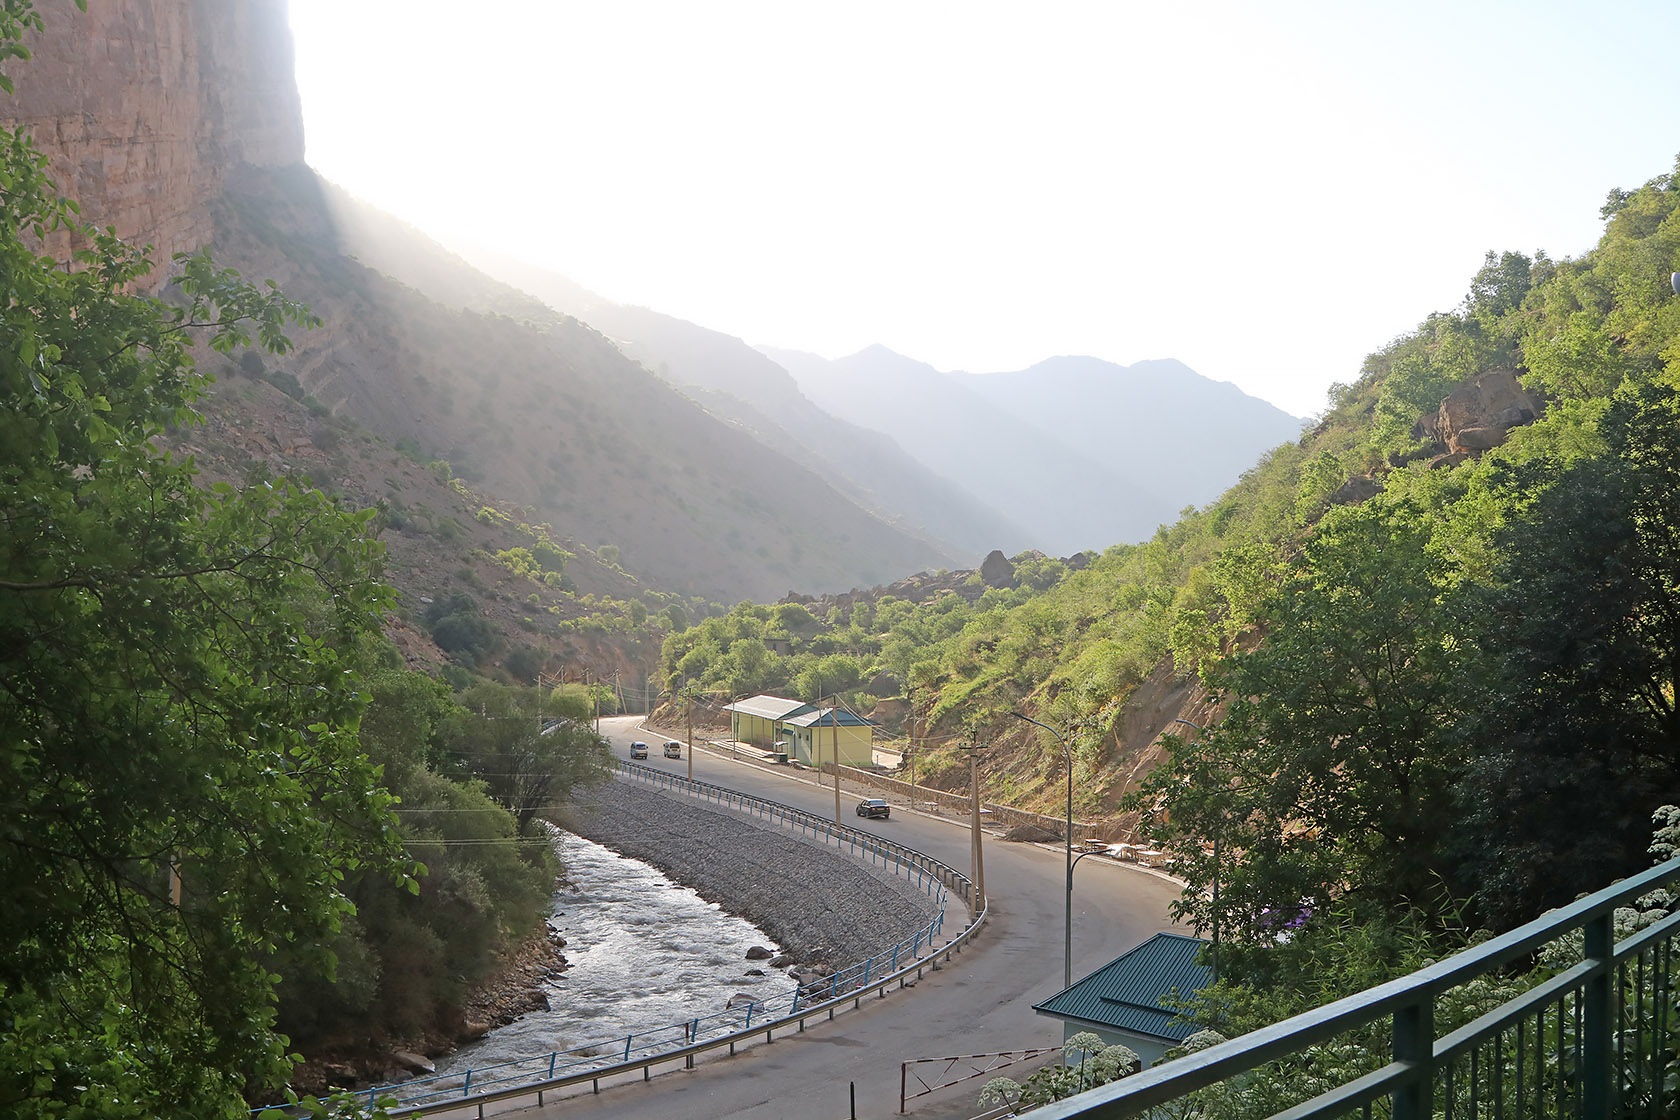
1265, 191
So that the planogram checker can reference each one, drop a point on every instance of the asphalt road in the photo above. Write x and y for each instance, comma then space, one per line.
980, 1003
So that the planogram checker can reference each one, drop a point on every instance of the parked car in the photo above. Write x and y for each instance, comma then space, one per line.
638, 750
874, 807
673, 749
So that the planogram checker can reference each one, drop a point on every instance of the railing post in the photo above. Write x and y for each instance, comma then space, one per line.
1414, 1044
1598, 1041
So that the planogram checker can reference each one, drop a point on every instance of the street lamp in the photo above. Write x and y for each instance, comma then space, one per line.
1067, 925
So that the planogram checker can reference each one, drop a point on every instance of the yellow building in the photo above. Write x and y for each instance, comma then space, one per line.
807, 733
814, 736
756, 721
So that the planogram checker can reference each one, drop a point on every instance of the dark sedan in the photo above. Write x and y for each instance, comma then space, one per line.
874, 807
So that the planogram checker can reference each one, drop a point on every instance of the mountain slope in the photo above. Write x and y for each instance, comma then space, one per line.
1191, 436
737, 381
553, 417
1067, 495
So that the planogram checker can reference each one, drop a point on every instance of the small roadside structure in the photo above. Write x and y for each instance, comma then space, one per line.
814, 737
756, 720
1121, 1001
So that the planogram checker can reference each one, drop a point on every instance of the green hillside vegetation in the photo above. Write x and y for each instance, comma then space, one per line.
523, 598
1447, 682
233, 823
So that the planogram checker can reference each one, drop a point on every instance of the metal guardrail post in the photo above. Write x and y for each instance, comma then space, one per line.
1598, 1038
1414, 1044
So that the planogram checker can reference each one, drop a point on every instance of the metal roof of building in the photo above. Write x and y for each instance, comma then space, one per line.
826, 717
768, 707
1126, 993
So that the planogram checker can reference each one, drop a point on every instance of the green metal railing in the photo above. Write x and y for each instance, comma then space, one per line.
1595, 1039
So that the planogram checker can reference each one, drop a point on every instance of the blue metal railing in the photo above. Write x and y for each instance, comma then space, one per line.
1593, 1039
682, 1041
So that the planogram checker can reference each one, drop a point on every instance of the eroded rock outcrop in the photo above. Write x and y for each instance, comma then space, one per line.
143, 107
1477, 416
996, 569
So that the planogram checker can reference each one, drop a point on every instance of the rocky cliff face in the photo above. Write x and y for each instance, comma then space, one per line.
144, 106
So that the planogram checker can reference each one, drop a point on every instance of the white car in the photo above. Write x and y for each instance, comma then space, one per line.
673, 749
638, 749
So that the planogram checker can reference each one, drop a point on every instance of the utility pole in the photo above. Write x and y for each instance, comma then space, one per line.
912, 748
834, 716
690, 692
1067, 838
979, 901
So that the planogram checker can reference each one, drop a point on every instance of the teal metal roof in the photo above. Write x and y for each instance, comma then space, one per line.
768, 707
1126, 993
827, 717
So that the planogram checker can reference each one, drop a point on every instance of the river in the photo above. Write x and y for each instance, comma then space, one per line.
644, 952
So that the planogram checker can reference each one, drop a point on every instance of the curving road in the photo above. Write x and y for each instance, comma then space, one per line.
981, 1002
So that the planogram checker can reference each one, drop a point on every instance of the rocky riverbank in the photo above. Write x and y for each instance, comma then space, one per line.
822, 907
515, 987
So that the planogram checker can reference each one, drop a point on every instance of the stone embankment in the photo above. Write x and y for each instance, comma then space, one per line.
821, 906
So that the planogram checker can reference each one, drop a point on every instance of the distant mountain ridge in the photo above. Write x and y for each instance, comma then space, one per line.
1063, 457
734, 380
1065, 446
543, 410
1200, 433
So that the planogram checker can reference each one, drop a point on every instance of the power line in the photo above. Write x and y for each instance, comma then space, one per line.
483, 809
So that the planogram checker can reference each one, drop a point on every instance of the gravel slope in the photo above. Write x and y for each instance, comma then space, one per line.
819, 905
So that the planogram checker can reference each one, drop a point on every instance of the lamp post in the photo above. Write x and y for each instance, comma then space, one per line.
1067, 924
977, 900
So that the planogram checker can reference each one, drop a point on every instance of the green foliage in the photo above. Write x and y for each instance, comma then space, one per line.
1332, 772
1087, 1063
496, 737
1579, 728
525, 663
405, 960
459, 629
568, 701
175, 661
